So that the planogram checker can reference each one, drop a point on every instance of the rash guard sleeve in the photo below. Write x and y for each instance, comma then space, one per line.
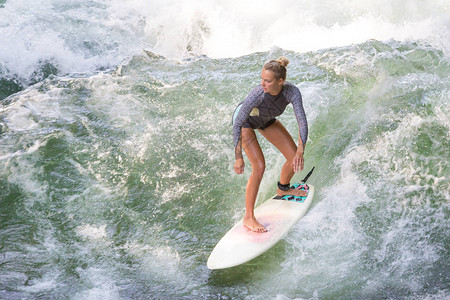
293, 95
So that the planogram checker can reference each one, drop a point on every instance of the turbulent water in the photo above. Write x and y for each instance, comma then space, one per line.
116, 154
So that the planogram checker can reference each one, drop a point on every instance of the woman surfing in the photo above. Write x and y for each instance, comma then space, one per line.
258, 111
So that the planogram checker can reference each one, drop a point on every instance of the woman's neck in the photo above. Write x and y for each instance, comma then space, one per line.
277, 91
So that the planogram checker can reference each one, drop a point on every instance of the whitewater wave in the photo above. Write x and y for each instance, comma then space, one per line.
68, 37
117, 179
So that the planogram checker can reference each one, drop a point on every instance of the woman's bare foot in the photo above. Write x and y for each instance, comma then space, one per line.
292, 192
252, 224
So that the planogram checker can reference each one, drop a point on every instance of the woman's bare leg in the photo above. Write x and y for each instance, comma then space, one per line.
278, 135
254, 153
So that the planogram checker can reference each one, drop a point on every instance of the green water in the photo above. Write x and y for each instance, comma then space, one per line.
119, 184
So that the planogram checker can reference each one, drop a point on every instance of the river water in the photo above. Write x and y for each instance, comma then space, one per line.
116, 153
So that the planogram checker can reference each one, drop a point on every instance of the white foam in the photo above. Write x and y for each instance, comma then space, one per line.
31, 149
31, 108
152, 257
93, 233
234, 28
102, 34
163, 253
101, 286
174, 192
46, 284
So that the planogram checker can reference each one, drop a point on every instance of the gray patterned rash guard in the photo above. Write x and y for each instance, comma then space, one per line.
259, 109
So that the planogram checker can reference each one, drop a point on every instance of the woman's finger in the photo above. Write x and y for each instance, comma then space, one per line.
295, 164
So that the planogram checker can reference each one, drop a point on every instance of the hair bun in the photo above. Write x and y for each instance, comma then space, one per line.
278, 67
283, 61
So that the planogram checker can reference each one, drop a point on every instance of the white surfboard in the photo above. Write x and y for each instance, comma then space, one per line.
240, 245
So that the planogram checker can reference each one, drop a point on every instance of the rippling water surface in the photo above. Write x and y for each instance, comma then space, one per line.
116, 163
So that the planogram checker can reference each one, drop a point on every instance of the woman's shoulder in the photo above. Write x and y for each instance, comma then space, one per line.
290, 87
256, 92
290, 90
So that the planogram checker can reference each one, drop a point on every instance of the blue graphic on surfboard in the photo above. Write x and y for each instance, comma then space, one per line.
278, 215
298, 186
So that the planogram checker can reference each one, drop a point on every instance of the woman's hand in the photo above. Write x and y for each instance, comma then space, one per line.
298, 162
239, 166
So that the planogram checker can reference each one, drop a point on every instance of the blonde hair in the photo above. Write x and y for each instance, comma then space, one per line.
278, 67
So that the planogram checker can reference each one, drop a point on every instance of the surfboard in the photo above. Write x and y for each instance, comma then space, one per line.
240, 245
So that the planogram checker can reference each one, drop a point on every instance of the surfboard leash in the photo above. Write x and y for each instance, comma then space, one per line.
307, 175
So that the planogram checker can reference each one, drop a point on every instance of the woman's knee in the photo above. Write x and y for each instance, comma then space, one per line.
258, 169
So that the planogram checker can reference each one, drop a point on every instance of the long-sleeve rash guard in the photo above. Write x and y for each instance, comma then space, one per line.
260, 108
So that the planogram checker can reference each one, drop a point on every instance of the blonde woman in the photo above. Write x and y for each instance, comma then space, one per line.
258, 111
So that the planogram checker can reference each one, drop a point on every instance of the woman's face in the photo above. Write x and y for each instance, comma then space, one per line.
270, 84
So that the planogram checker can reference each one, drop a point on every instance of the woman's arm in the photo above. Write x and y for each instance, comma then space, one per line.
239, 162
295, 97
253, 99
298, 162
